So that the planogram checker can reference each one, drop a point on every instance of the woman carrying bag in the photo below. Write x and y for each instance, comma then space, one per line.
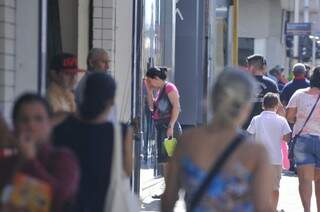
165, 108
104, 151
303, 111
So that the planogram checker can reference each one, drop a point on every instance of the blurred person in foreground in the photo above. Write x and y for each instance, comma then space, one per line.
307, 144
199, 149
63, 75
165, 109
36, 157
91, 137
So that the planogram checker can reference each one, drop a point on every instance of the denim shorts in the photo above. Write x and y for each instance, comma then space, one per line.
307, 150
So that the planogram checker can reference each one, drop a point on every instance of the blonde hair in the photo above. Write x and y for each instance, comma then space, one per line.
232, 91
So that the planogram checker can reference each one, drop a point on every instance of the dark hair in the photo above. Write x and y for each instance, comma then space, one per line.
315, 78
98, 94
29, 98
270, 100
160, 72
258, 61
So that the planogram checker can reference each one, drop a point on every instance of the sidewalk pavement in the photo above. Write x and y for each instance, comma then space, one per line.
289, 199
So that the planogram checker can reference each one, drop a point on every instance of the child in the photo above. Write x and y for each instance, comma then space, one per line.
270, 129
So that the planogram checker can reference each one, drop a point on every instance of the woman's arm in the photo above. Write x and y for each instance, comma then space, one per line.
170, 195
127, 157
291, 114
262, 189
175, 102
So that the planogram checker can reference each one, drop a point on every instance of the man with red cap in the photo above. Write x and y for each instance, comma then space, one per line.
63, 75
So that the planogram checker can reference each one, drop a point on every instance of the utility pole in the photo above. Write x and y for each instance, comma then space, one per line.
235, 32
296, 20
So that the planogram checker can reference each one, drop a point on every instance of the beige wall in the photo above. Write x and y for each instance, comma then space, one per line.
112, 24
262, 20
7, 55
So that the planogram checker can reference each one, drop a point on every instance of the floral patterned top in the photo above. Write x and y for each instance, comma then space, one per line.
226, 192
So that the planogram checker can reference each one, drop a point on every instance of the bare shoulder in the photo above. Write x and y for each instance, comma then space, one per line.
189, 139
254, 150
191, 135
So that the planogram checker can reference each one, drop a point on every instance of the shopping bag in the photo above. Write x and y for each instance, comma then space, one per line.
119, 198
26, 193
170, 145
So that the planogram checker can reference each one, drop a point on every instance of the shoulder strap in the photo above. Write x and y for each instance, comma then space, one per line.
163, 91
309, 116
215, 169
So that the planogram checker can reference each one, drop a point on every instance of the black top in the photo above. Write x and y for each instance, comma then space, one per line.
292, 87
264, 85
93, 146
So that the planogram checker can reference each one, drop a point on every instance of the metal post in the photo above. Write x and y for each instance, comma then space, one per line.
136, 86
296, 20
42, 52
314, 51
306, 10
230, 35
235, 26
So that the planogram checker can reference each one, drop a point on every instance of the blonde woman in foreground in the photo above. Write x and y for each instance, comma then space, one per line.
241, 183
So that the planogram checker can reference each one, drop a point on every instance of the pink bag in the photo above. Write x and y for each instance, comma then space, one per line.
285, 160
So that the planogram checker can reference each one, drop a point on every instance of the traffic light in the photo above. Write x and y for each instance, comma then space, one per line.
289, 45
305, 48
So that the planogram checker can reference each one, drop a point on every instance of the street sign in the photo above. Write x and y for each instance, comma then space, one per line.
298, 29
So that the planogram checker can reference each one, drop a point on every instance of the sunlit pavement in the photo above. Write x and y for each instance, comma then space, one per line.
289, 195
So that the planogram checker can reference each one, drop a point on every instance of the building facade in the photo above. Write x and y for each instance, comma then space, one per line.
83, 24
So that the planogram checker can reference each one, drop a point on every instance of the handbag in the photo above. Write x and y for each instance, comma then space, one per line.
119, 197
214, 170
293, 141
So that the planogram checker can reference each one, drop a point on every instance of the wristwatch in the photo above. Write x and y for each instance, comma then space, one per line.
169, 125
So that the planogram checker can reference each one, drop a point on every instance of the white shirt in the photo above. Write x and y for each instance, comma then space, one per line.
269, 128
304, 103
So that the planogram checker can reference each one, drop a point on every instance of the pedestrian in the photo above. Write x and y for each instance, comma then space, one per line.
276, 73
91, 137
242, 182
63, 75
299, 81
165, 108
257, 66
270, 129
37, 158
303, 111
97, 61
